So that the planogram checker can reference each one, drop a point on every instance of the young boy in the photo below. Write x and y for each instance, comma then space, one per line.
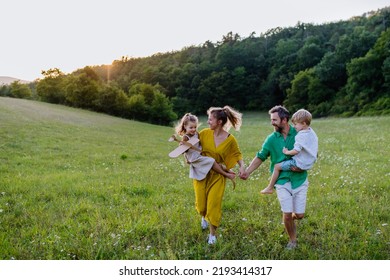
304, 152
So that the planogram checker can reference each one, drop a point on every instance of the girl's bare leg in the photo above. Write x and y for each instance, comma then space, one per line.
217, 168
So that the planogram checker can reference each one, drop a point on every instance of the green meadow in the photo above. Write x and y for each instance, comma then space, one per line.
81, 185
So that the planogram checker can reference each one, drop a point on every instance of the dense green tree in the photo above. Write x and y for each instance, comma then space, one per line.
113, 100
52, 88
366, 79
82, 89
310, 54
148, 103
5, 90
20, 90
138, 109
298, 95
161, 110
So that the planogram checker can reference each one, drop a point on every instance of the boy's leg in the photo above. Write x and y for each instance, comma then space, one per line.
270, 188
283, 166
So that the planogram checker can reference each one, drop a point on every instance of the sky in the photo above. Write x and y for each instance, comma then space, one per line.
71, 34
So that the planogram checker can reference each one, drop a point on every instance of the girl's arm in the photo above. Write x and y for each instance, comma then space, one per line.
185, 138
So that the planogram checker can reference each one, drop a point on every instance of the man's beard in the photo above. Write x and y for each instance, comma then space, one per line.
278, 128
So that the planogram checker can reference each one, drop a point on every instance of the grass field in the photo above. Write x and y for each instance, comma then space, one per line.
80, 185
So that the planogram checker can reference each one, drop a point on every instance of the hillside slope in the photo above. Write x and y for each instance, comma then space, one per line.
34, 111
5, 80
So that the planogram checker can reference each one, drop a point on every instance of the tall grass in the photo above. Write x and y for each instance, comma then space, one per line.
81, 185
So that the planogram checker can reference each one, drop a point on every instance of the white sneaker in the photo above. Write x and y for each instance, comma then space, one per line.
204, 224
212, 239
291, 245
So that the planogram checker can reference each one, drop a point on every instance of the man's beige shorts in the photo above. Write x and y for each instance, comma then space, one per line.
292, 200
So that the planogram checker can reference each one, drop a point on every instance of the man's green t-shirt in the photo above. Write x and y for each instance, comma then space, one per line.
273, 148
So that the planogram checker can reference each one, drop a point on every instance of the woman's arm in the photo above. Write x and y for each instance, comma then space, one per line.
242, 167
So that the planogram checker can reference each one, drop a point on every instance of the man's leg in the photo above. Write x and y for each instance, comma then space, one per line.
285, 197
289, 224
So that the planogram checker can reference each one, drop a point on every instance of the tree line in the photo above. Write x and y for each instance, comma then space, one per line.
338, 68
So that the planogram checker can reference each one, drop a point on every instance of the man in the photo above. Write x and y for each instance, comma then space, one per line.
291, 187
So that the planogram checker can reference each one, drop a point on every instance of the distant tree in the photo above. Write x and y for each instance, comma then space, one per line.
162, 110
82, 89
310, 54
386, 74
52, 88
367, 76
5, 90
147, 102
19, 90
298, 95
112, 100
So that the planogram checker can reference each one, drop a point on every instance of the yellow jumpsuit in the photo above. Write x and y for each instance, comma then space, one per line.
209, 191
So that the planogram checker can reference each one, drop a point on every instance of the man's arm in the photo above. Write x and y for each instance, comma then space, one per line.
256, 162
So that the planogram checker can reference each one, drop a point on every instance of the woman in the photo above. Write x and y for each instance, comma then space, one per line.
223, 147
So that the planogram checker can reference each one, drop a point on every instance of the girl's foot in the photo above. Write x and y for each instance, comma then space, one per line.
268, 190
232, 176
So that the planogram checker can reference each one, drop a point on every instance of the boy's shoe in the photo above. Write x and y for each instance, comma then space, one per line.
212, 239
204, 224
291, 245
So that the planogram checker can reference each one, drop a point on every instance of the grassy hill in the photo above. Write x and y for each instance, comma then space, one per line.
80, 185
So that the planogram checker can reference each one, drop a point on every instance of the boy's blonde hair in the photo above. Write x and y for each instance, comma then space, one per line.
301, 116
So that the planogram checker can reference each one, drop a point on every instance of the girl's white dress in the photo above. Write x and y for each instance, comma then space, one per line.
199, 165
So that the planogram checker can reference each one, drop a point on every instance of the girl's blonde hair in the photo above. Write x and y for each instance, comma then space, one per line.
229, 117
188, 117
301, 116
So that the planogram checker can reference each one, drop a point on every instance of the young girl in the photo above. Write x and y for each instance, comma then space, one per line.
199, 165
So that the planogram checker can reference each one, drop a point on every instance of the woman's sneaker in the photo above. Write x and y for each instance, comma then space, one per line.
212, 239
204, 224
291, 245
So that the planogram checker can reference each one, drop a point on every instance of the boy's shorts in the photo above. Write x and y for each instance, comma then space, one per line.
292, 200
287, 164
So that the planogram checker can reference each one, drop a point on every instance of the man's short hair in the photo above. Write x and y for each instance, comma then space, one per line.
282, 112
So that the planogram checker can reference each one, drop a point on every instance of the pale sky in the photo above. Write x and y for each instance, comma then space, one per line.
38, 35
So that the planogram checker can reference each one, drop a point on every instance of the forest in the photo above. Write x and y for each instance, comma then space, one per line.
332, 69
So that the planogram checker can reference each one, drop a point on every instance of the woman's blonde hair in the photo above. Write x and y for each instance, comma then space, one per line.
229, 117
188, 117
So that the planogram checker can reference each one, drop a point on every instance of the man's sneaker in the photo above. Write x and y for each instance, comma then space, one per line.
291, 245
204, 224
212, 239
